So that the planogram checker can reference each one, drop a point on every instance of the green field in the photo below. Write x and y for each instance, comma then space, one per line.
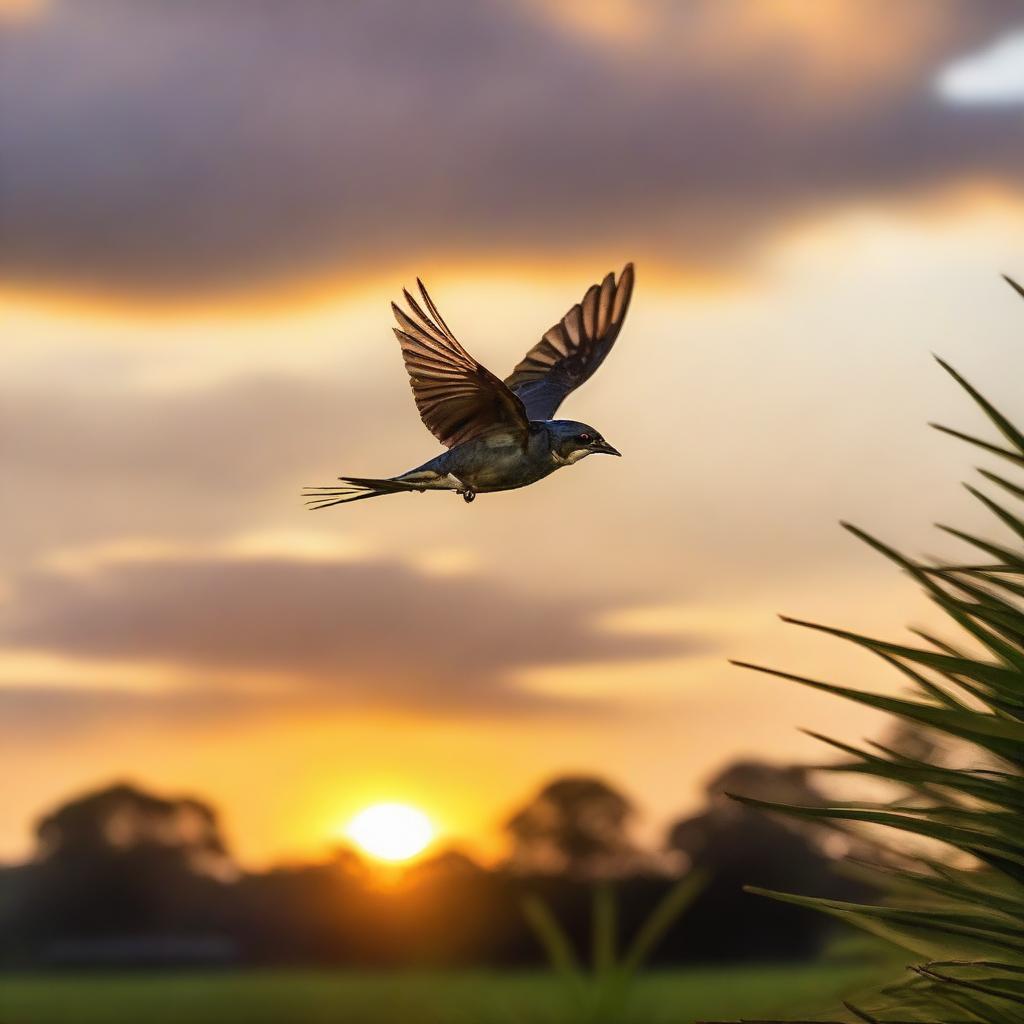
319, 997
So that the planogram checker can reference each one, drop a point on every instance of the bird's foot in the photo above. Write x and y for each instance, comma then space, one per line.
468, 495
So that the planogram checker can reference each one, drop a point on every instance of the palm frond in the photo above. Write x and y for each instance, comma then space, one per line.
963, 915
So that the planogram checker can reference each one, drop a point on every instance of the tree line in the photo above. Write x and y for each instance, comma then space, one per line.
123, 877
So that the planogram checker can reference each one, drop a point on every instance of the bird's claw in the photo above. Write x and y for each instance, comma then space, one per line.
468, 496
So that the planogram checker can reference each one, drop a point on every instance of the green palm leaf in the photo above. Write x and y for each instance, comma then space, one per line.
965, 919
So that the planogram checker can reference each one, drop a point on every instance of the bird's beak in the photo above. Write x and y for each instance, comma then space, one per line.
606, 449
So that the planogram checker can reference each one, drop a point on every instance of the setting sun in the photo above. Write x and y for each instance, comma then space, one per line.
391, 832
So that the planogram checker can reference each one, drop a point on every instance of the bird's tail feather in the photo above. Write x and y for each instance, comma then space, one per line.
354, 488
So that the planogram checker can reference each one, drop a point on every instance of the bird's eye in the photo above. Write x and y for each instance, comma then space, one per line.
584, 438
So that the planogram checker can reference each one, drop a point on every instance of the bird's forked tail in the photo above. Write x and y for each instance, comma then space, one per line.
355, 488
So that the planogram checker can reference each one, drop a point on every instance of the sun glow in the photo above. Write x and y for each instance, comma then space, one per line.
391, 832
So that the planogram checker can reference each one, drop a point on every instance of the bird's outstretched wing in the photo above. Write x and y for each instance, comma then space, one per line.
458, 399
574, 348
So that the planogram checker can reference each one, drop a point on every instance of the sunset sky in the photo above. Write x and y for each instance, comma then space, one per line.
205, 211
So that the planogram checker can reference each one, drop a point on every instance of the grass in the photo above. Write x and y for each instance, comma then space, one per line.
602, 991
455, 997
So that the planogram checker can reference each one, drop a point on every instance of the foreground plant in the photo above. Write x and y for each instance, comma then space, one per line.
602, 994
960, 913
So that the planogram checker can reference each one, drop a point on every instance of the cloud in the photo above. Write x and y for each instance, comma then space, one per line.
200, 438
27, 711
105, 462
189, 148
370, 631
994, 75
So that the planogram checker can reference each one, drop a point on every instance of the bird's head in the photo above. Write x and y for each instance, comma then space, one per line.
572, 441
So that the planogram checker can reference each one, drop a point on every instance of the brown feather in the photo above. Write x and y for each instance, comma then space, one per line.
458, 398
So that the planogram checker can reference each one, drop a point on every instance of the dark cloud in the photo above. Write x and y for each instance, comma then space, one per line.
188, 147
91, 465
226, 435
371, 631
28, 711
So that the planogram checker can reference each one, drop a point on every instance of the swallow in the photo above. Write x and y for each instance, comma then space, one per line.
500, 435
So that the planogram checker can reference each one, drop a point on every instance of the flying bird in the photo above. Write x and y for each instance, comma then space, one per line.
499, 434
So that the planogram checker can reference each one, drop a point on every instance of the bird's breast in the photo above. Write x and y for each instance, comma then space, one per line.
499, 462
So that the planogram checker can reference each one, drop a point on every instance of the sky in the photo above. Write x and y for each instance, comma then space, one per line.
206, 210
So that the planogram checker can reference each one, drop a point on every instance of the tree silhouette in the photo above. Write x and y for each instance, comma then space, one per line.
122, 818
576, 825
738, 845
120, 862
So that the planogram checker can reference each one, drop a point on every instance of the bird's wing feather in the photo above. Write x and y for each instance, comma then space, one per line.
458, 399
574, 348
